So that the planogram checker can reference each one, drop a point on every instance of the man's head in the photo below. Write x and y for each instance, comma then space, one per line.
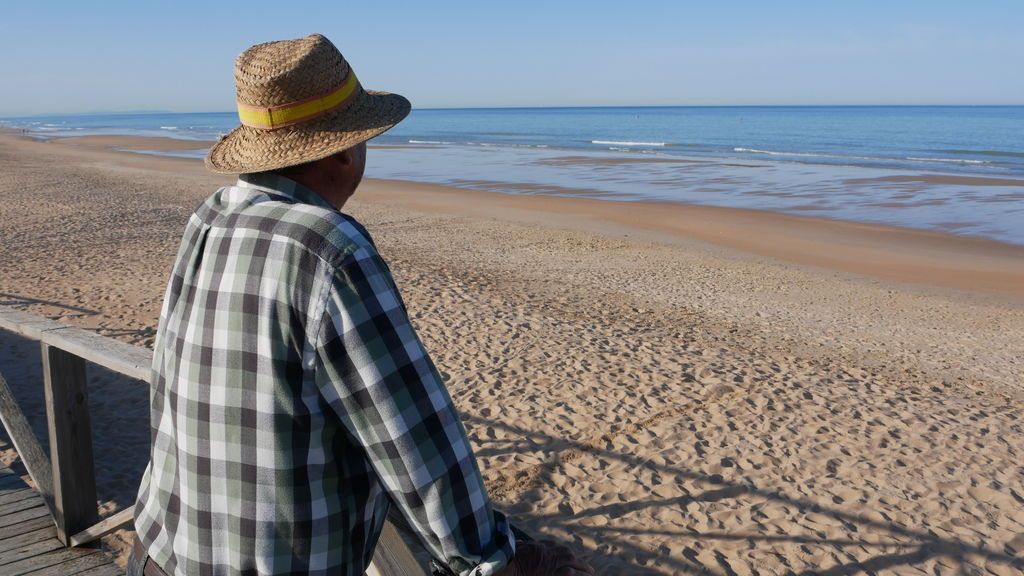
335, 177
303, 111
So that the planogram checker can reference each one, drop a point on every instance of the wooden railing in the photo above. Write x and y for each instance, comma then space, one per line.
66, 478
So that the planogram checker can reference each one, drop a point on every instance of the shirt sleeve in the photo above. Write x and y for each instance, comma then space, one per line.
376, 374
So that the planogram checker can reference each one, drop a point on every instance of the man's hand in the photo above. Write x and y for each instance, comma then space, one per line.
545, 558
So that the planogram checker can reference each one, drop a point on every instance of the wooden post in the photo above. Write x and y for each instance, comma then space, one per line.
67, 415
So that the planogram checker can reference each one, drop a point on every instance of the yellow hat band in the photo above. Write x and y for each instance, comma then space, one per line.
298, 112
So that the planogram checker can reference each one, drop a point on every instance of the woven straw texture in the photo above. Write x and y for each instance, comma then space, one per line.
290, 71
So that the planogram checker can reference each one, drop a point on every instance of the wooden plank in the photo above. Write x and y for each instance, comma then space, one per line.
57, 557
104, 527
17, 529
74, 565
29, 550
118, 356
67, 416
392, 556
39, 511
13, 494
26, 324
39, 535
16, 495
25, 441
18, 506
30, 545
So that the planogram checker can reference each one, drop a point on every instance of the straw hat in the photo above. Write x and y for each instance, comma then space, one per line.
299, 101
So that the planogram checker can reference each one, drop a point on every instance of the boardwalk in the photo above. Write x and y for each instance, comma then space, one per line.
28, 538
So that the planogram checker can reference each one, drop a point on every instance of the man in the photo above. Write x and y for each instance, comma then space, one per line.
292, 402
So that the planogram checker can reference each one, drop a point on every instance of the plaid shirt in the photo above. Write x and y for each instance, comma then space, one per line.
292, 403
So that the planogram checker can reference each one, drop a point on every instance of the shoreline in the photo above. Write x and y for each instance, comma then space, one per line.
928, 258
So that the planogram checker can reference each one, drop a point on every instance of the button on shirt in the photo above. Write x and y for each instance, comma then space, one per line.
293, 403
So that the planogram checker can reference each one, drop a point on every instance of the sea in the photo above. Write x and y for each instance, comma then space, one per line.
957, 169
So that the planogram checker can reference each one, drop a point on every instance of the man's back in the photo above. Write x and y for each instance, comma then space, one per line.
290, 397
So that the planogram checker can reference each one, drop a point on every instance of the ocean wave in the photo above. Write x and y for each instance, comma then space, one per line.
168, 127
953, 160
807, 154
997, 153
845, 157
427, 142
627, 143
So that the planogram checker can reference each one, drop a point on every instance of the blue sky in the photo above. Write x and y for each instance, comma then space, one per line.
66, 57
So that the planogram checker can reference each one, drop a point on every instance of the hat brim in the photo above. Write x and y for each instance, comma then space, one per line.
246, 149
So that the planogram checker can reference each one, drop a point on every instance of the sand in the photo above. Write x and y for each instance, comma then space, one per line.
672, 389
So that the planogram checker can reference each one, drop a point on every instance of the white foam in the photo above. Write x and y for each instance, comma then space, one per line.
626, 143
955, 160
773, 153
168, 127
809, 154
427, 142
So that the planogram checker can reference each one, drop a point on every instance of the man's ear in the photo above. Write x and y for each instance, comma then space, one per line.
345, 157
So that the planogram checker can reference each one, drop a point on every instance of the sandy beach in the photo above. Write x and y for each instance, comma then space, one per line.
673, 389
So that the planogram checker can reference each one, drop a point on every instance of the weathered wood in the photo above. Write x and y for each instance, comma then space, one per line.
39, 511
18, 506
392, 556
16, 495
75, 565
19, 528
29, 550
67, 415
57, 558
118, 356
30, 545
26, 324
25, 442
104, 527
27, 538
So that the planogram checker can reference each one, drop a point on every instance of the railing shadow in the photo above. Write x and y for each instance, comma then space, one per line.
913, 546
19, 300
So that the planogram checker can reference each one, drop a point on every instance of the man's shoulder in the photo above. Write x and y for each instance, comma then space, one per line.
328, 233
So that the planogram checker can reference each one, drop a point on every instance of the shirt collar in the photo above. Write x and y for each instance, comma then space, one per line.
282, 186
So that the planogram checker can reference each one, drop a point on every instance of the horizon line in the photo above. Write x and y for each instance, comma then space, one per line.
440, 108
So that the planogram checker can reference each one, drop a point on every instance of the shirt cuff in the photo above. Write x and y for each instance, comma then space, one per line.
505, 542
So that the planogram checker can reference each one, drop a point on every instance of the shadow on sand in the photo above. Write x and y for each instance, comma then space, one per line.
913, 546
120, 422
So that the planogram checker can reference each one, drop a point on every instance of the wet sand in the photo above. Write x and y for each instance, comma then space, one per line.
673, 389
944, 179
